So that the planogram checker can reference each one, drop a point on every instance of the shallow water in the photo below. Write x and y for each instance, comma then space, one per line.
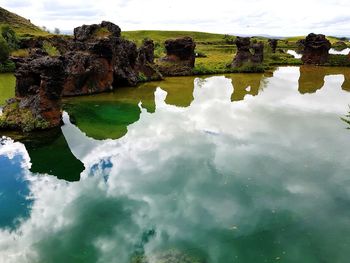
242, 168
345, 51
294, 53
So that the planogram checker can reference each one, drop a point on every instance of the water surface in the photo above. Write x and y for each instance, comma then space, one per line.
239, 168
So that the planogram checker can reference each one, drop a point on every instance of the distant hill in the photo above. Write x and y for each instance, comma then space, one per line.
19, 24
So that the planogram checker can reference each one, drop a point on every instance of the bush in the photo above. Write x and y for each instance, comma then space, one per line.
50, 49
4, 50
10, 37
159, 50
7, 67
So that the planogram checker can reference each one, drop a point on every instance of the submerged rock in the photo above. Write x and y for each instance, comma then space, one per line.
180, 57
316, 49
37, 105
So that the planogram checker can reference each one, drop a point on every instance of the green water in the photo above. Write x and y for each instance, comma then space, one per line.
7, 85
237, 168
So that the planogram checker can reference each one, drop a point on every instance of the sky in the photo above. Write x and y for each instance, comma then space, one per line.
242, 17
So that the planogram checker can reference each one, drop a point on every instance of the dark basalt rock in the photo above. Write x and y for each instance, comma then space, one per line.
105, 29
244, 54
316, 49
145, 62
258, 55
96, 60
87, 74
37, 105
146, 52
180, 57
273, 44
181, 49
100, 60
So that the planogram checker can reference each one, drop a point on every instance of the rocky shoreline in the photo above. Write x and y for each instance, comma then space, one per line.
98, 60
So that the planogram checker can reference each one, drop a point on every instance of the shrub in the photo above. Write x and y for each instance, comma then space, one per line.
7, 67
4, 50
10, 37
50, 49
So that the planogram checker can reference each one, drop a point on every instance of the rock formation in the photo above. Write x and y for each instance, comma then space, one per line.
39, 87
316, 49
145, 62
96, 60
100, 60
180, 57
244, 55
273, 44
258, 55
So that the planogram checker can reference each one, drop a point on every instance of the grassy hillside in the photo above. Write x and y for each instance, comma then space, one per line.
22, 26
161, 36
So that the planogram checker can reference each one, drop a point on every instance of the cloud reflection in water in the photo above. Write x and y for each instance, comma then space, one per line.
254, 180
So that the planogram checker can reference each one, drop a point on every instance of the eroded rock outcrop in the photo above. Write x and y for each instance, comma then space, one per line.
273, 44
316, 49
258, 52
145, 62
37, 105
100, 60
244, 54
180, 57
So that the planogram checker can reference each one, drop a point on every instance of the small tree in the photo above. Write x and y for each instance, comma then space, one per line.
4, 50
57, 31
10, 37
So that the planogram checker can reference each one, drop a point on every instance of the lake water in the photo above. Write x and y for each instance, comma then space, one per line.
294, 53
345, 51
237, 168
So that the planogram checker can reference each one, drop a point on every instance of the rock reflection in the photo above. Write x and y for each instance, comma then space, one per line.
312, 78
247, 84
50, 154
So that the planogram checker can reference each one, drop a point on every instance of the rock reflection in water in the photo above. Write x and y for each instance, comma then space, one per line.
313, 78
257, 180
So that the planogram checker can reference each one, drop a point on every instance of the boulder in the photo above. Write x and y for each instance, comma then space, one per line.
316, 49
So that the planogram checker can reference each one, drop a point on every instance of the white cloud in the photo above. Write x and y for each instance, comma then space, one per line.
225, 16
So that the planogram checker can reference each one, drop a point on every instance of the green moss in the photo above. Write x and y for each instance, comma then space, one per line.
16, 118
142, 77
50, 49
102, 33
